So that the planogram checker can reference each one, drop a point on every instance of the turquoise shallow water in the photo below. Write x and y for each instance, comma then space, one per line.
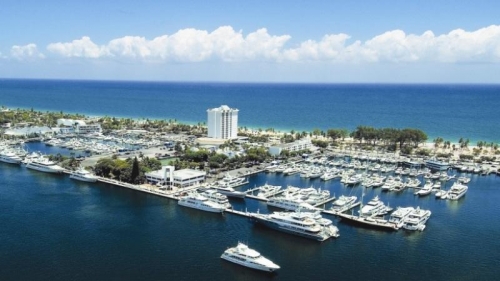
54, 228
448, 111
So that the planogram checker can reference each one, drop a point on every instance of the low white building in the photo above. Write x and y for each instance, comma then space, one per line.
298, 145
78, 127
181, 178
88, 129
69, 122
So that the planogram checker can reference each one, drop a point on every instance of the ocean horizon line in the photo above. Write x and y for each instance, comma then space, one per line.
218, 82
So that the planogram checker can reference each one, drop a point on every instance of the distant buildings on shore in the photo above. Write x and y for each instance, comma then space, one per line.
297, 145
70, 126
222, 122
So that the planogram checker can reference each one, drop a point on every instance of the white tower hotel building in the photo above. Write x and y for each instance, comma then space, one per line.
222, 122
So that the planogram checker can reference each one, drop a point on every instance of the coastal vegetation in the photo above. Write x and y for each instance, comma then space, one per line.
408, 141
131, 170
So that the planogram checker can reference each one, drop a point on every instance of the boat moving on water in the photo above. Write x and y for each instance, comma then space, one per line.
243, 255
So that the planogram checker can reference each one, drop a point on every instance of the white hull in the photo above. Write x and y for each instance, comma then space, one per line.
85, 179
236, 194
10, 160
247, 264
202, 207
44, 169
456, 196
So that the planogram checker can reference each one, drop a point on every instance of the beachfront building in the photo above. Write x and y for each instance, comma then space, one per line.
297, 145
88, 129
168, 176
222, 122
29, 131
78, 127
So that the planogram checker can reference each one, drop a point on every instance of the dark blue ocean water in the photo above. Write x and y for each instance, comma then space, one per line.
54, 228
448, 111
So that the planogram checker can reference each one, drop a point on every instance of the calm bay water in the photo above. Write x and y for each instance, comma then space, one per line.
54, 228
448, 111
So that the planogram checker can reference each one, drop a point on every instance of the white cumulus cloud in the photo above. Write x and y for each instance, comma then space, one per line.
26, 53
186, 45
78, 48
226, 44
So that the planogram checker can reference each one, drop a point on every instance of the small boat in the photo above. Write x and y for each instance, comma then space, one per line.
83, 175
243, 255
426, 190
441, 194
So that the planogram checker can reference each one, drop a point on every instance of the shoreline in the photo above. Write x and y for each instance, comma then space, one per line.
250, 128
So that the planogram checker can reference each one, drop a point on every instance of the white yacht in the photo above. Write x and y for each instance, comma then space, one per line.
463, 180
441, 194
197, 201
291, 171
228, 191
318, 196
230, 181
316, 215
43, 164
416, 219
374, 207
398, 217
344, 201
9, 156
288, 203
83, 175
457, 191
245, 256
330, 176
297, 223
214, 196
268, 190
413, 183
426, 190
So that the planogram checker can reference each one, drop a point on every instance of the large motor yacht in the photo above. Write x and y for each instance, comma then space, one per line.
197, 201
398, 217
416, 219
43, 164
9, 156
232, 182
457, 191
214, 196
297, 223
374, 207
83, 175
243, 255
288, 203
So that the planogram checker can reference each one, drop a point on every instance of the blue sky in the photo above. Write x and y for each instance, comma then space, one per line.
268, 41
